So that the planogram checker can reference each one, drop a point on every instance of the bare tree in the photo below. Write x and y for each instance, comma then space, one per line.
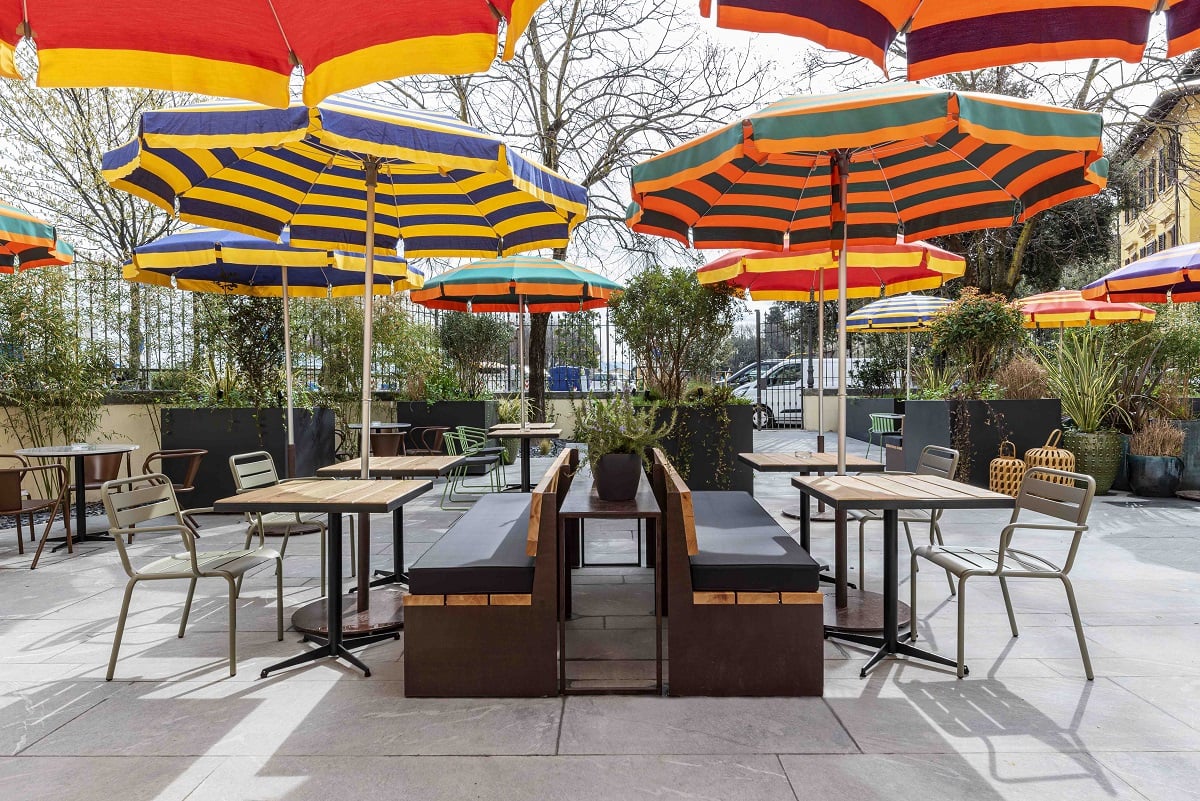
598, 86
51, 143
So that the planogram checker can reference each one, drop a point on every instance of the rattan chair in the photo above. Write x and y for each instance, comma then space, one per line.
257, 469
140, 500
1042, 492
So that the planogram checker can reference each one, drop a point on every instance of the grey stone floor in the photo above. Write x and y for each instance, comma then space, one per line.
1025, 724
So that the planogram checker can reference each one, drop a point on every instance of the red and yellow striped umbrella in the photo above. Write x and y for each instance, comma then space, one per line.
1067, 308
871, 271
248, 48
955, 36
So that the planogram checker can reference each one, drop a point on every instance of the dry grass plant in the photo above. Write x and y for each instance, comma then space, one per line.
1157, 438
1021, 378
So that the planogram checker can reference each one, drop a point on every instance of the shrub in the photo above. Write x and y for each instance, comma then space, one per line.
1157, 438
1021, 378
977, 333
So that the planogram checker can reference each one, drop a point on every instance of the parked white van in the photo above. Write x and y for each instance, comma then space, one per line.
784, 386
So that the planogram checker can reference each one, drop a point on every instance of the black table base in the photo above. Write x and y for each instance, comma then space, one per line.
396, 575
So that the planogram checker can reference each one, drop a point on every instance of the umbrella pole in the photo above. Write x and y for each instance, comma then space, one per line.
521, 360
844, 178
908, 365
821, 360
287, 361
372, 178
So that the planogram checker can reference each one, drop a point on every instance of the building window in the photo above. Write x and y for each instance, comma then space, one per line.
1162, 242
1172, 237
1163, 168
1151, 180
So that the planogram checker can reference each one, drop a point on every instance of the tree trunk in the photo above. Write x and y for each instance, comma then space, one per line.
538, 326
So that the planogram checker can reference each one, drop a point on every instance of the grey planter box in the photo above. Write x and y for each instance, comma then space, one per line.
703, 437
476, 413
1191, 455
984, 425
226, 432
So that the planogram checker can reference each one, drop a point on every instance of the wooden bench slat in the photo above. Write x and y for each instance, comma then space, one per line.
714, 598
424, 600
467, 600
511, 599
758, 597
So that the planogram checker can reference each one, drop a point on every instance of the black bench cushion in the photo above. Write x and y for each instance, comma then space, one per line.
742, 548
483, 552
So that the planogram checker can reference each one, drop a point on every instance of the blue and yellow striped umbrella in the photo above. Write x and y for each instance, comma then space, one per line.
348, 175
229, 263
899, 314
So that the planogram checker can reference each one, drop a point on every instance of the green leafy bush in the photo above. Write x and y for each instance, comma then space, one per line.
619, 426
977, 333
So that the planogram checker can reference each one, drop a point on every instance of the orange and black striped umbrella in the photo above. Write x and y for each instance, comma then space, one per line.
918, 162
954, 35
248, 48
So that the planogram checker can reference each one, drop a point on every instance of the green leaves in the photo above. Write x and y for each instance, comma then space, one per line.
619, 426
977, 332
1080, 373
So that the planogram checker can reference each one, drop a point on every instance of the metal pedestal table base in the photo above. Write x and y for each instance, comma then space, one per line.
863, 612
385, 615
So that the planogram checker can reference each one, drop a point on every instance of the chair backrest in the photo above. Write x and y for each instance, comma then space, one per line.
453, 442
101, 467
885, 423
1056, 493
546, 492
937, 461
10, 489
253, 470
678, 495
190, 468
427, 438
134, 501
386, 443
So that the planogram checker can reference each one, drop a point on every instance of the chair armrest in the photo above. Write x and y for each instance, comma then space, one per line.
204, 510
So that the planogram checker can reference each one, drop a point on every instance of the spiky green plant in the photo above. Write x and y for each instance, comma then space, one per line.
1080, 373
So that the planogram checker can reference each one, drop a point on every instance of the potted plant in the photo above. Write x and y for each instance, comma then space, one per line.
1079, 371
618, 436
1155, 466
508, 410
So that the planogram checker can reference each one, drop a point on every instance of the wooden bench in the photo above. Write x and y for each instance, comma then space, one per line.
746, 616
481, 616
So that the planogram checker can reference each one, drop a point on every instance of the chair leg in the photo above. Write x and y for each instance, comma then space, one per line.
279, 597
908, 536
20, 537
1012, 618
32, 535
112, 659
46, 535
935, 533
1083, 650
912, 598
233, 595
962, 625
187, 606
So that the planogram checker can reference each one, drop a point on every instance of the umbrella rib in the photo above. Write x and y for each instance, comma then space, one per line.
787, 234
1016, 201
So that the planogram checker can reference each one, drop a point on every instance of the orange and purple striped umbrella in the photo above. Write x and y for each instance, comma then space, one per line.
944, 36
248, 48
919, 162
1169, 275
1067, 308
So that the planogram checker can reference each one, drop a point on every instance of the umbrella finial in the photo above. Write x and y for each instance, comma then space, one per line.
468, 306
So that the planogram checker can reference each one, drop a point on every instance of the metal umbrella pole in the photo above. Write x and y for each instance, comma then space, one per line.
821, 361
908, 365
843, 164
372, 179
287, 360
521, 361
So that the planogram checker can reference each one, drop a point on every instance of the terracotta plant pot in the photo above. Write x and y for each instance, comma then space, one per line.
1098, 454
1155, 476
617, 476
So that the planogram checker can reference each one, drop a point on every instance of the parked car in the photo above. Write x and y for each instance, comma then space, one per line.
784, 387
746, 373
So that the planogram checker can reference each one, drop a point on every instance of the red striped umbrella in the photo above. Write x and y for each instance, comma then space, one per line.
955, 36
1067, 308
248, 48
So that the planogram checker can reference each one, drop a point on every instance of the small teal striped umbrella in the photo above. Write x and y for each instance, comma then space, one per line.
903, 313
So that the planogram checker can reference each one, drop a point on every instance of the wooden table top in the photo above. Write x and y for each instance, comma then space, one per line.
805, 462
321, 495
378, 426
582, 502
899, 491
84, 449
546, 431
394, 466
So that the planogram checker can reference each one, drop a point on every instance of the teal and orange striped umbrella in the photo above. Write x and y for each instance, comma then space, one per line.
944, 36
504, 285
249, 48
27, 242
918, 161
1067, 308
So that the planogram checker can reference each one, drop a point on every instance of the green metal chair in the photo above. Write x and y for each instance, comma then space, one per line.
457, 488
477, 439
1043, 493
883, 425
136, 501
257, 469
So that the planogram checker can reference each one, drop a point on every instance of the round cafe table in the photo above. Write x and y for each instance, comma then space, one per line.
77, 452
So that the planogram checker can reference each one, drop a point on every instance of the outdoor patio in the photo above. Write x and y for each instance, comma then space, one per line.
1024, 724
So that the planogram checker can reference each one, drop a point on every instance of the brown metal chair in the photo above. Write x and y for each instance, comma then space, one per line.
387, 443
14, 501
193, 456
426, 441
15, 460
99, 468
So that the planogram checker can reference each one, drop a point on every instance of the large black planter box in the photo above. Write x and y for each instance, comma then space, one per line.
476, 413
706, 455
1191, 455
859, 410
226, 432
977, 428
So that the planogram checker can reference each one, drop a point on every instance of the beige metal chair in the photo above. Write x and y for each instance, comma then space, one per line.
935, 461
257, 469
136, 501
1054, 493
